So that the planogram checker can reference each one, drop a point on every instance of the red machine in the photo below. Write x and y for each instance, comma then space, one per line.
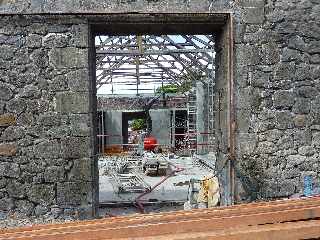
150, 143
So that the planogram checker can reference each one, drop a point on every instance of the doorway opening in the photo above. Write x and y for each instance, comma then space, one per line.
156, 105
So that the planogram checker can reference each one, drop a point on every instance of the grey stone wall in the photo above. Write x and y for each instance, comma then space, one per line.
277, 95
161, 125
139, 103
113, 121
45, 121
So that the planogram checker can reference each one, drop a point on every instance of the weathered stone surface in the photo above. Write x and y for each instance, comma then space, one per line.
316, 139
80, 124
75, 147
44, 83
81, 170
58, 40
6, 204
284, 120
16, 189
8, 149
302, 106
78, 80
74, 193
41, 193
70, 102
247, 143
48, 149
30, 92
253, 15
5, 92
40, 58
8, 169
64, 58
16, 105
7, 120
25, 207
306, 151
50, 119
54, 174
34, 41
13, 133
300, 120
283, 99
40, 210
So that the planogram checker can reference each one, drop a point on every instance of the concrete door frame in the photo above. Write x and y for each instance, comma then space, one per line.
219, 23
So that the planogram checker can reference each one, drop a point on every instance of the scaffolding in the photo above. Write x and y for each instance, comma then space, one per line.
145, 64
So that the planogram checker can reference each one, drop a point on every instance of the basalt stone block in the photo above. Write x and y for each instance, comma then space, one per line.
76, 147
50, 119
7, 120
307, 91
34, 41
6, 204
70, 102
40, 210
78, 80
295, 160
40, 58
8, 169
24, 207
315, 105
8, 149
247, 55
270, 53
253, 15
283, 99
74, 193
80, 124
300, 121
251, 3
7, 52
58, 40
316, 139
41, 193
31, 92
16, 189
284, 71
284, 120
306, 151
69, 57
13, 133
247, 143
79, 35
54, 174
48, 149
16, 105
81, 170
302, 106
5, 92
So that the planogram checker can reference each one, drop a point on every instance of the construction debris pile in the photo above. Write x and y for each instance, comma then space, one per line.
157, 178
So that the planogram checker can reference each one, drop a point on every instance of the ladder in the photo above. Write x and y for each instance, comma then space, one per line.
211, 114
192, 121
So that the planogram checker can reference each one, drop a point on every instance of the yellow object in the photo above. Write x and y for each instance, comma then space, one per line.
209, 191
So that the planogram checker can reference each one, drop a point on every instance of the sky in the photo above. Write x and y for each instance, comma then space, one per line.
148, 69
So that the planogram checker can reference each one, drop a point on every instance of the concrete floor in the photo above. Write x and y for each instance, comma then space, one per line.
174, 189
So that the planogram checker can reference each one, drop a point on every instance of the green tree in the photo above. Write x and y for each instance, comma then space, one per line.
138, 124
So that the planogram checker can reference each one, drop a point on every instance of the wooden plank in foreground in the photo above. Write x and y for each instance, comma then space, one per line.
171, 216
281, 231
199, 225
